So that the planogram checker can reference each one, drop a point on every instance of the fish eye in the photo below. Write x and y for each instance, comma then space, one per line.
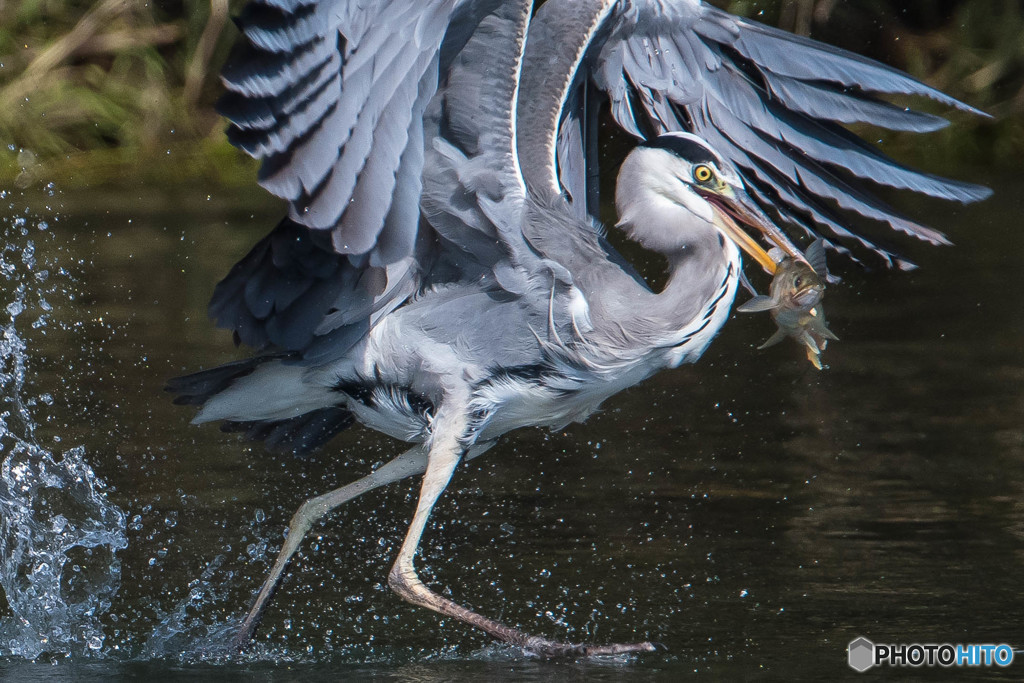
702, 173
799, 281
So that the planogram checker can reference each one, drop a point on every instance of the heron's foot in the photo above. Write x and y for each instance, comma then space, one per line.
404, 581
259, 604
552, 649
245, 632
252, 618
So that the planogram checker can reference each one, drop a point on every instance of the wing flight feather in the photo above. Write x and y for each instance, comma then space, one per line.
773, 102
330, 95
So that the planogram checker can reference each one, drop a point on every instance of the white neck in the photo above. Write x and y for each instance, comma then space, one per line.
658, 209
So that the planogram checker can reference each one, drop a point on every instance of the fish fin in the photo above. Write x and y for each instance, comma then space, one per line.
813, 356
815, 256
774, 339
808, 340
819, 330
758, 304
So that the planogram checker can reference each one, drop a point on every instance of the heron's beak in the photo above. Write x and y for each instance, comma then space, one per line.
734, 207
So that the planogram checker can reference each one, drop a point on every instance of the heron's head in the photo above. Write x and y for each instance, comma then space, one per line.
675, 187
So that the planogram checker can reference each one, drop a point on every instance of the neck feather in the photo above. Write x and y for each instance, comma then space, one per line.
658, 210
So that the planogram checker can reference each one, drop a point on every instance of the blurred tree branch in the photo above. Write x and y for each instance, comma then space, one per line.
198, 66
59, 51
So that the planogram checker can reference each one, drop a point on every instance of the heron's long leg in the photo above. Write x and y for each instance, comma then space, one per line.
445, 452
413, 461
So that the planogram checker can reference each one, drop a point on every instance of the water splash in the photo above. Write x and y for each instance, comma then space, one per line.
59, 535
187, 633
202, 625
58, 542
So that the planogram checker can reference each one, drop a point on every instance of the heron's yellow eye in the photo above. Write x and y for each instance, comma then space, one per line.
702, 173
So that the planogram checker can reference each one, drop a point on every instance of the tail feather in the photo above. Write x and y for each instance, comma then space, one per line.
300, 435
243, 401
199, 387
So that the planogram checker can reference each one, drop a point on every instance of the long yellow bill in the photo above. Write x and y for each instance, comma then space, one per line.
733, 206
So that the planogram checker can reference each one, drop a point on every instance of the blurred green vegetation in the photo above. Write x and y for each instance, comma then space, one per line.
112, 89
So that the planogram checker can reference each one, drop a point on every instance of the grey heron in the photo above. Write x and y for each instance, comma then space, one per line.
441, 277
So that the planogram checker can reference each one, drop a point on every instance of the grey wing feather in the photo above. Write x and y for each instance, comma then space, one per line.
333, 96
577, 158
797, 57
821, 100
800, 182
197, 388
474, 193
572, 171
398, 235
292, 293
730, 90
300, 435
560, 33
330, 96
770, 101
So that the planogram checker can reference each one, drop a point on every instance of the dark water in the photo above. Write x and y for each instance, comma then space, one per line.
750, 513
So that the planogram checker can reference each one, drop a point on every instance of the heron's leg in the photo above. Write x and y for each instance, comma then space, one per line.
413, 461
446, 450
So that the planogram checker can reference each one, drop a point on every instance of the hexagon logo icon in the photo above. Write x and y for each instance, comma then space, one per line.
861, 654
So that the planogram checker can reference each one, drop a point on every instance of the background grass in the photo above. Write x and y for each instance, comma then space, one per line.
104, 91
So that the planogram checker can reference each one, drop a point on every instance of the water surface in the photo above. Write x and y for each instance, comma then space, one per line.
751, 513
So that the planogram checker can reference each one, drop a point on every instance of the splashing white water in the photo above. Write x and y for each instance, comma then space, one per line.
59, 535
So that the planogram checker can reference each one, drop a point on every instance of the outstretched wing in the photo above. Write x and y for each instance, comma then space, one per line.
772, 102
313, 293
330, 95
